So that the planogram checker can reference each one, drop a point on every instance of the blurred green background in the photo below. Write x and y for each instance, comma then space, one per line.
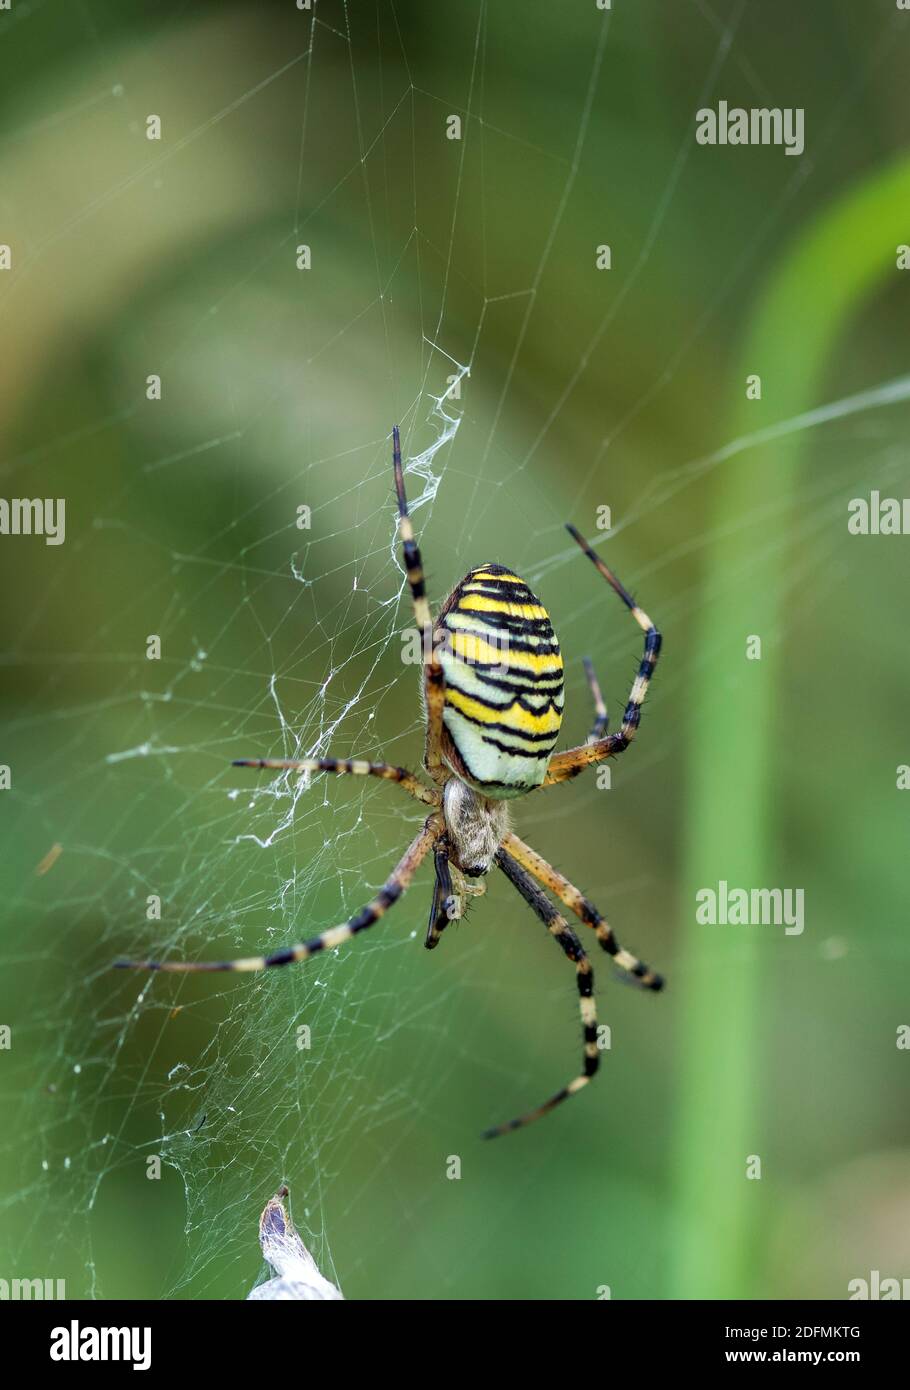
283, 127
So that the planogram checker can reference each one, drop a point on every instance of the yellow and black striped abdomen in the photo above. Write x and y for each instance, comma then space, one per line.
504, 686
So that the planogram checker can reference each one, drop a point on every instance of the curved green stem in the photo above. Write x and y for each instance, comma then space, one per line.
834, 266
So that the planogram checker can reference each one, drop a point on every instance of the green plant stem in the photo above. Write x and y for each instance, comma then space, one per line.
845, 255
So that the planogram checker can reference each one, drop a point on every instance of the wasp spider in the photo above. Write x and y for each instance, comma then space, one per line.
493, 698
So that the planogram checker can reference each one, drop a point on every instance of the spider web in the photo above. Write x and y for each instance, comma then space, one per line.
436, 297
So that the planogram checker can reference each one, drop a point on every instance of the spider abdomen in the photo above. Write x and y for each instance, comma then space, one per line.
504, 682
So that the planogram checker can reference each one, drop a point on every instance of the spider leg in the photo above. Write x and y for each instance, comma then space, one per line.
601, 717
357, 767
442, 895
558, 927
573, 899
575, 760
394, 887
434, 687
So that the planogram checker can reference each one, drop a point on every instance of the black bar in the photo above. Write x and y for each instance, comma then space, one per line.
207, 1338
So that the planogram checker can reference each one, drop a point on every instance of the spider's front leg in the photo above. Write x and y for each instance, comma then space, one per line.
452, 887
393, 888
558, 928
443, 897
636, 971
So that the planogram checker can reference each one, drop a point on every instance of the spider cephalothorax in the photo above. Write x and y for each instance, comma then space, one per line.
476, 826
492, 691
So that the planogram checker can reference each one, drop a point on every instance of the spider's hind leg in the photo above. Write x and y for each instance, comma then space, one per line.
562, 766
434, 686
601, 717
